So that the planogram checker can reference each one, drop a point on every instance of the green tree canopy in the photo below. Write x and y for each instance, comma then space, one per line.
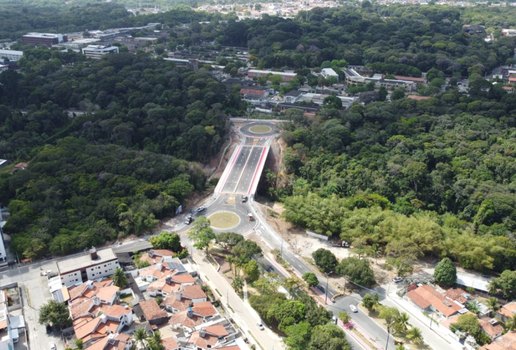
167, 240
357, 271
55, 314
445, 273
325, 260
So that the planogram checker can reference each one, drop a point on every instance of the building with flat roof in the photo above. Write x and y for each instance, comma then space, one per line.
46, 39
10, 55
258, 73
98, 51
93, 266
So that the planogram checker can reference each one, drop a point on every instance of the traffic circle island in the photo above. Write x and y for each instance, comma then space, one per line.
224, 220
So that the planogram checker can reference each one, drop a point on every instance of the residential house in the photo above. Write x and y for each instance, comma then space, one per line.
505, 342
187, 296
428, 298
292, 96
507, 311
10, 326
491, 327
152, 312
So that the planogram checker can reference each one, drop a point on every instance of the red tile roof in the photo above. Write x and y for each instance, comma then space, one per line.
169, 343
217, 330
183, 278
182, 319
508, 310
151, 310
204, 309
85, 329
505, 342
114, 311
426, 296
457, 294
193, 292
100, 344
162, 252
107, 294
492, 330
206, 342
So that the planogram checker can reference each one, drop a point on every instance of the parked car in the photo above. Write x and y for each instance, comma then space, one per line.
53, 346
260, 326
200, 209
188, 220
353, 308
244, 199
398, 279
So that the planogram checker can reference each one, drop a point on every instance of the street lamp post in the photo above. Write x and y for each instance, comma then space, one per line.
388, 334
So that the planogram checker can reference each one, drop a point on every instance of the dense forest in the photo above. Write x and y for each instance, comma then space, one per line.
397, 40
408, 179
115, 169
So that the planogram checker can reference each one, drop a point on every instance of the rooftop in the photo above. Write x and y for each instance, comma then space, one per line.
84, 261
151, 310
426, 296
505, 342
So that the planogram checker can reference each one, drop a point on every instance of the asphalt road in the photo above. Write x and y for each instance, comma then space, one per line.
366, 324
243, 170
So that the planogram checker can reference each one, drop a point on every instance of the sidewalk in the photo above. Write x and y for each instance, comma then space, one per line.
242, 313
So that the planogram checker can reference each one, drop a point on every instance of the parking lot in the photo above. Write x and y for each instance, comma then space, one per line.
34, 293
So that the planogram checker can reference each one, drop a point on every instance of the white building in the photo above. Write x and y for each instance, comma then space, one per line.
509, 32
10, 55
95, 265
329, 73
99, 51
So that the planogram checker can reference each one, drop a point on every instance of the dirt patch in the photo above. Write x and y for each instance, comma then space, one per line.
224, 220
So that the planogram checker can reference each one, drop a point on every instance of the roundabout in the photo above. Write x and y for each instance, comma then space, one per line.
224, 220
259, 129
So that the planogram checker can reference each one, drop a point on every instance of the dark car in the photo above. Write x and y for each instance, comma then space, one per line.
244, 199
188, 220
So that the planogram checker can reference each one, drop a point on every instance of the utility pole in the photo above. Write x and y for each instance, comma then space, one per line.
388, 334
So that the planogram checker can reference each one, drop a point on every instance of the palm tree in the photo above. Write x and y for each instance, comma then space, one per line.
154, 341
510, 324
401, 323
119, 278
414, 335
139, 336
493, 305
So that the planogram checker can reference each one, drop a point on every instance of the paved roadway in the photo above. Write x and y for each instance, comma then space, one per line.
243, 170
35, 293
241, 312
366, 324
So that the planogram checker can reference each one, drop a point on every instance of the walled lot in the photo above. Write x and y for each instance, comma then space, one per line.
35, 293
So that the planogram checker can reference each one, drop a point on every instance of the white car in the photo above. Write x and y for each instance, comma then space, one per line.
53, 346
260, 326
353, 308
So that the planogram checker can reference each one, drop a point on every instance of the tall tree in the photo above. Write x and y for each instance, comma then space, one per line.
119, 278
202, 234
55, 314
445, 273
